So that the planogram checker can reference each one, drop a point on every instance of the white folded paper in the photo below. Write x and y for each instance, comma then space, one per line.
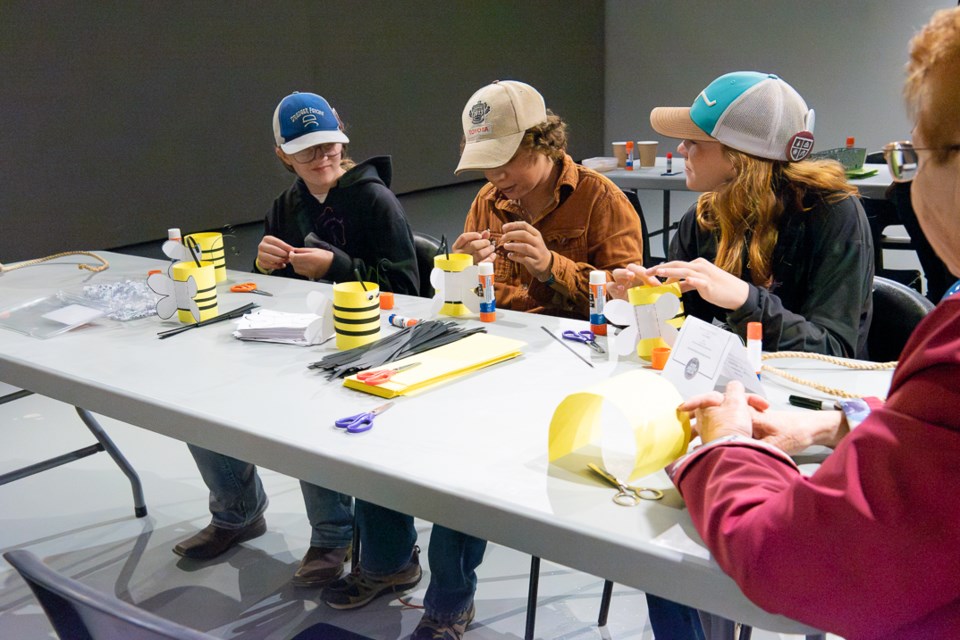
265, 325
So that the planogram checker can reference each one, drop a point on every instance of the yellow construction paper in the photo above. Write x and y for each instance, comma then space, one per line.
211, 246
356, 313
648, 295
642, 404
441, 364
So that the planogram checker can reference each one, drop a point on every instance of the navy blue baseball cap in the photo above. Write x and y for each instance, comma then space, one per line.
304, 120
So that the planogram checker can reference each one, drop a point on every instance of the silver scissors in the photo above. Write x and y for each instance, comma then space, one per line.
627, 496
588, 338
362, 421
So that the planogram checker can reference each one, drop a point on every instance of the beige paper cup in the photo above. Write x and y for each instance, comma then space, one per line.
647, 152
356, 313
620, 152
206, 297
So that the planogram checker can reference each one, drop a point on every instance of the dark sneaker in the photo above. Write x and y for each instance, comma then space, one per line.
212, 541
358, 588
430, 629
321, 566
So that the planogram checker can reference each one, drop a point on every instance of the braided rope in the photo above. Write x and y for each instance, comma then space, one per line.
858, 365
29, 263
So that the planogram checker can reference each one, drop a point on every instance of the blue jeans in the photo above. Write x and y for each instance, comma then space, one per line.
673, 621
386, 544
237, 499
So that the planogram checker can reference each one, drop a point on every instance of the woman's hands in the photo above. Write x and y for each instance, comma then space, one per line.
522, 242
725, 414
714, 285
633, 275
737, 413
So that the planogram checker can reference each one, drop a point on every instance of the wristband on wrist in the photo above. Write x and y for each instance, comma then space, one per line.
856, 411
256, 263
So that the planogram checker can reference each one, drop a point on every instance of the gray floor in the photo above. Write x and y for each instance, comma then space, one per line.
79, 518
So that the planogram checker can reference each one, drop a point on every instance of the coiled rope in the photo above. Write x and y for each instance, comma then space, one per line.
89, 267
858, 365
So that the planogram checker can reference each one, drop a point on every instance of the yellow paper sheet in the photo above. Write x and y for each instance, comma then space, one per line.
643, 403
441, 364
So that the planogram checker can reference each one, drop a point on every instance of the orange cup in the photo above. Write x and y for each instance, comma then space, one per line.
659, 357
386, 300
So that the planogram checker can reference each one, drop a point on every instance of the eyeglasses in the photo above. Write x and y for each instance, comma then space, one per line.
328, 150
903, 160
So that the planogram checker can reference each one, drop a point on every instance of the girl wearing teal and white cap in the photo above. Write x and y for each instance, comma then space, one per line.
775, 237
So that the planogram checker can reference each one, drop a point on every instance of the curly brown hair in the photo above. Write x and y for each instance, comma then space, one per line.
750, 206
549, 137
932, 91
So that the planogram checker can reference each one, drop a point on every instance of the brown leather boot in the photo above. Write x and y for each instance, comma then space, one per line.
320, 566
211, 541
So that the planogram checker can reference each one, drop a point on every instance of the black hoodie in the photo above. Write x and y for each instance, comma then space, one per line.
361, 222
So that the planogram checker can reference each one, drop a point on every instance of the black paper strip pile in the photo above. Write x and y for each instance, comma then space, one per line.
421, 337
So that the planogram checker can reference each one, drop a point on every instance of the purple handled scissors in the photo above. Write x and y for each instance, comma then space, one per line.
586, 337
362, 421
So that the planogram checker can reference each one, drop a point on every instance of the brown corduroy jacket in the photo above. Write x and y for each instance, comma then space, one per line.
589, 226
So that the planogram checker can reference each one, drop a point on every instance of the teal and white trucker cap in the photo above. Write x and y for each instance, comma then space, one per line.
756, 113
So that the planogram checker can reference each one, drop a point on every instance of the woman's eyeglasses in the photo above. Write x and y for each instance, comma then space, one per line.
903, 160
328, 150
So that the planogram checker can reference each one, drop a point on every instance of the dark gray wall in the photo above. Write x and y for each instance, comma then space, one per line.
120, 119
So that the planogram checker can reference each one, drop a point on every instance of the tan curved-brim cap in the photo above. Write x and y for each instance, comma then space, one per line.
675, 122
494, 122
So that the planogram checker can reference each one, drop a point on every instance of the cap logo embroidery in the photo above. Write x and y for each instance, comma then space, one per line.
310, 119
799, 146
478, 112
706, 99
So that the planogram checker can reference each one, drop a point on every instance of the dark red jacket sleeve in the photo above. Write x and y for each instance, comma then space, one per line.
865, 547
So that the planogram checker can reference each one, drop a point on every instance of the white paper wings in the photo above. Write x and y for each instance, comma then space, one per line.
453, 288
645, 321
174, 295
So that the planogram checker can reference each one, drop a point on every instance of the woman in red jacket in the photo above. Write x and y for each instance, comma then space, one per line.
865, 547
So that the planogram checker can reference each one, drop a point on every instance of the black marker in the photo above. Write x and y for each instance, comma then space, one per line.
813, 403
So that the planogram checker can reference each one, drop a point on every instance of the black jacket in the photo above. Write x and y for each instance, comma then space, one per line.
821, 297
361, 222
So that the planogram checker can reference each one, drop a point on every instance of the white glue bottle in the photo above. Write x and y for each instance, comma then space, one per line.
488, 304
598, 296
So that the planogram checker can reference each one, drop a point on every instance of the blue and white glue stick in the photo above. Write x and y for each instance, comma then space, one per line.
401, 321
488, 304
598, 296
755, 346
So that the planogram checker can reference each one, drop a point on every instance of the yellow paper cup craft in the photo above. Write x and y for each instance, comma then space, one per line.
206, 297
631, 419
356, 313
211, 246
453, 263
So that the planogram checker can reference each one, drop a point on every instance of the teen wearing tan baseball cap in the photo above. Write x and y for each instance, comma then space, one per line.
494, 121
545, 223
